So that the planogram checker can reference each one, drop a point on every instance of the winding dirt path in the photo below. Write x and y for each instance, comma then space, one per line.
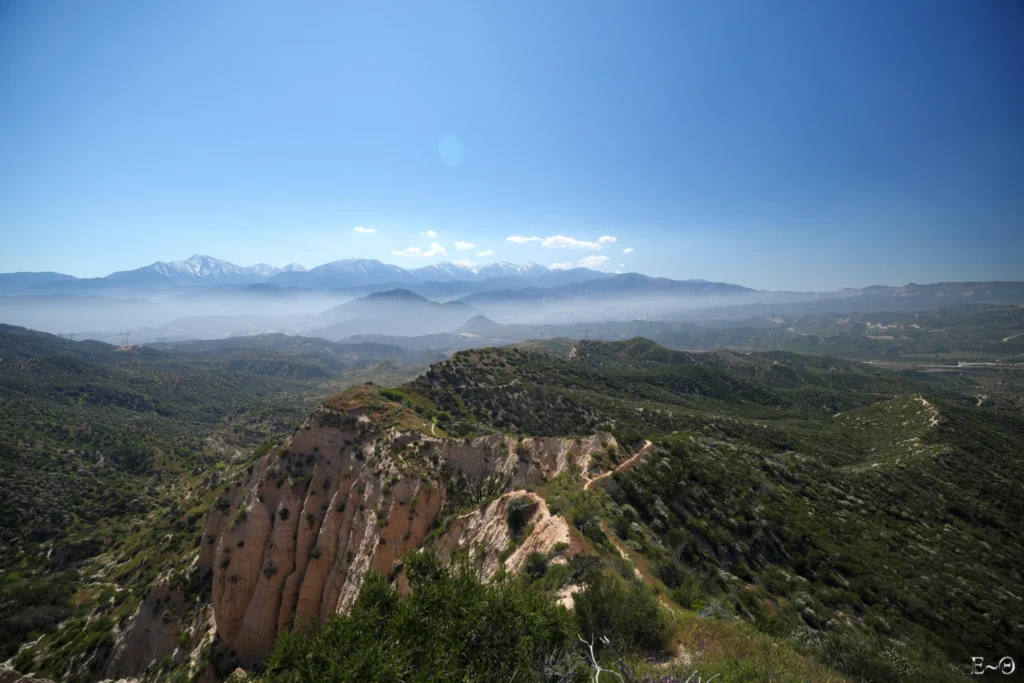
626, 465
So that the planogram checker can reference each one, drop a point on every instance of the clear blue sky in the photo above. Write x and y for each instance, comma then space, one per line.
810, 145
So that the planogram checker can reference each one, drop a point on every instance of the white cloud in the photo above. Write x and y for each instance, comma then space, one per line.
627, 250
435, 250
563, 242
464, 246
485, 252
466, 263
622, 265
428, 233
592, 261
364, 231
562, 266
519, 239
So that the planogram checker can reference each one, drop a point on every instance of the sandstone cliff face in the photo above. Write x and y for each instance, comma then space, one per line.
292, 542
484, 534
149, 635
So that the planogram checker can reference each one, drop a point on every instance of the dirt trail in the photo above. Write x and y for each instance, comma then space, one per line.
629, 463
934, 421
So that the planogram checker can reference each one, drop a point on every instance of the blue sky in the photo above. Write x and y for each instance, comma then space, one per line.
803, 145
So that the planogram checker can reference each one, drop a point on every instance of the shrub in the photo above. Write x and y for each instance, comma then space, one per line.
536, 565
585, 514
689, 592
628, 614
519, 512
584, 567
670, 573
558, 548
450, 627
283, 513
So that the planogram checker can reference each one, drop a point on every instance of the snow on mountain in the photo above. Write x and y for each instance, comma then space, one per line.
447, 271
505, 269
206, 270
197, 269
345, 273
466, 270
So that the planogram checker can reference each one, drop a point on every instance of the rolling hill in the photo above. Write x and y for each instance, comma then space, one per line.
396, 311
771, 507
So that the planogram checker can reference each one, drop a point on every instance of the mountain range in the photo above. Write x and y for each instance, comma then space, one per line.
207, 298
208, 271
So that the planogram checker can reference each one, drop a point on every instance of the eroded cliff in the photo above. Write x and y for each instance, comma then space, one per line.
291, 542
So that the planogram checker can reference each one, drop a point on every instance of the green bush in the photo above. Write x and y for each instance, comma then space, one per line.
519, 512
628, 614
451, 627
584, 567
536, 565
689, 592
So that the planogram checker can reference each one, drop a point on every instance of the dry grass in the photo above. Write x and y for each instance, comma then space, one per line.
739, 654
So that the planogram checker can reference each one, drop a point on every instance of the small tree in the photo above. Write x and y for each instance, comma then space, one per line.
536, 565
519, 512
627, 614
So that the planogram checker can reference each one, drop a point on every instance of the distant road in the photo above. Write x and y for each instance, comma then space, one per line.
960, 365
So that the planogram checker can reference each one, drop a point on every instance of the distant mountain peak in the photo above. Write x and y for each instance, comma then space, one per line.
200, 268
504, 269
479, 324
398, 294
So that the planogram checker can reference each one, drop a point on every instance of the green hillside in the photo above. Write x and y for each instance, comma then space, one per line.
868, 518
799, 518
94, 436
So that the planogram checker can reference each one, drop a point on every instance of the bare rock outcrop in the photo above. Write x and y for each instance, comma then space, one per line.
165, 622
291, 542
485, 533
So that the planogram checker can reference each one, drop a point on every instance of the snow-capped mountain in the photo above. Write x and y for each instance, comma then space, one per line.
198, 269
269, 271
469, 271
447, 271
506, 269
345, 273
